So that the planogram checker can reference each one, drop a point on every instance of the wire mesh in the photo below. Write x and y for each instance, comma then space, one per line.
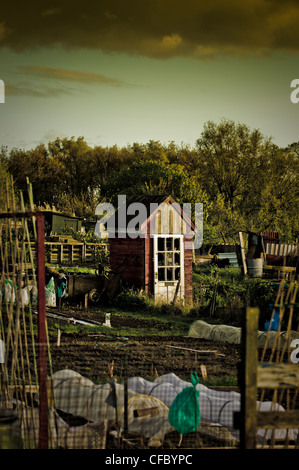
131, 397
19, 378
280, 352
127, 404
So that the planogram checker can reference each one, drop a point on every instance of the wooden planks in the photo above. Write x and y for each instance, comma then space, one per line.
277, 375
281, 249
287, 419
71, 253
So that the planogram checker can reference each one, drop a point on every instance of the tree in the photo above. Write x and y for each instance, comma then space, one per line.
280, 196
252, 183
154, 177
230, 158
5, 180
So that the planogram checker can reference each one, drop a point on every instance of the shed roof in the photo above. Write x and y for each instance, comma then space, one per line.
151, 204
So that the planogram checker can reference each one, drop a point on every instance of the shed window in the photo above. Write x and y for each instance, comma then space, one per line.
169, 258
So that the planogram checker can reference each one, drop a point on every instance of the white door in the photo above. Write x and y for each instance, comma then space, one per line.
168, 267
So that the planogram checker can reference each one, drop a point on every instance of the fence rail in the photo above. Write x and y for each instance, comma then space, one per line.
281, 249
73, 253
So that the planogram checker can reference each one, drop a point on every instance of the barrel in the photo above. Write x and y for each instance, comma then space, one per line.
255, 267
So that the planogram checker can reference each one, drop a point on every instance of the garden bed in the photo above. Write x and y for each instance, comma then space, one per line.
155, 353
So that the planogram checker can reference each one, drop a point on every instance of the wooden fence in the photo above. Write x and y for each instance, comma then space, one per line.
283, 249
70, 254
278, 377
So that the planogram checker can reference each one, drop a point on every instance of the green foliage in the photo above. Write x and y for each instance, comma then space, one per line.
5, 180
101, 254
234, 292
132, 300
252, 184
84, 237
244, 181
156, 177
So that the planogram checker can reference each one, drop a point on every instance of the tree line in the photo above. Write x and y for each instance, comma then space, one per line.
244, 180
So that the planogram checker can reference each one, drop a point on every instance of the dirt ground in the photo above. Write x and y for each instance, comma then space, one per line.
93, 355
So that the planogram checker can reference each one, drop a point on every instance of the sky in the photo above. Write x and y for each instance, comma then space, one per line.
118, 72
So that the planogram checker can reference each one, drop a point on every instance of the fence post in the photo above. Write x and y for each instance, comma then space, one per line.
126, 395
42, 334
249, 380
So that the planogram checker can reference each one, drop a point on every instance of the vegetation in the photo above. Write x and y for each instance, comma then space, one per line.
244, 181
224, 294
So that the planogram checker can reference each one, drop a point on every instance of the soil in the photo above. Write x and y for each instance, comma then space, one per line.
98, 356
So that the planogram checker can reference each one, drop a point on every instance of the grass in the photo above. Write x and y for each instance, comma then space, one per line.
72, 269
233, 294
170, 327
224, 381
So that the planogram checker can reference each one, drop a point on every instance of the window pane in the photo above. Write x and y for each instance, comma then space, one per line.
161, 245
161, 274
161, 259
169, 274
177, 274
169, 259
177, 259
177, 244
169, 244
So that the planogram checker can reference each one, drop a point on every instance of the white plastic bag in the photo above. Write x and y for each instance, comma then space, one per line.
10, 295
25, 296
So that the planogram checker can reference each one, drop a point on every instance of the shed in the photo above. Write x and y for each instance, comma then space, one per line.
56, 223
159, 255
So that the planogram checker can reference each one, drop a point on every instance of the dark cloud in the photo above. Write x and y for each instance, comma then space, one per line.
160, 29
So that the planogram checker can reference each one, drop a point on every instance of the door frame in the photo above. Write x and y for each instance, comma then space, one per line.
181, 293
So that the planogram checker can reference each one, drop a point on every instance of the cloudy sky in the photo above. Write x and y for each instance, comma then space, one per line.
118, 72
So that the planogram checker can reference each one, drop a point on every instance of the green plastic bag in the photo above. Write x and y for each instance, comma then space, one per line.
50, 293
184, 412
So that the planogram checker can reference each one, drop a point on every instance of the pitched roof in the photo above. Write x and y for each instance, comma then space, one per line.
151, 204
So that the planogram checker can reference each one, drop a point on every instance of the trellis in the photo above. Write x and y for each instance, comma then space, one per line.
23, 329
272, 373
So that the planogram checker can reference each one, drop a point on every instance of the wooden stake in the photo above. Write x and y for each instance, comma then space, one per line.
249, 380
42, 334
213, 351
243, 253
203, 370
58, 337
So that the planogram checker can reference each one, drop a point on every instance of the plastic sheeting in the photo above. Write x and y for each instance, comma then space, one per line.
61, 435
232, 334
81, 397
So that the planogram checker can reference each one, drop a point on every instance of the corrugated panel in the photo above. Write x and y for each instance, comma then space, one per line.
280, 249
270, 237
232, 257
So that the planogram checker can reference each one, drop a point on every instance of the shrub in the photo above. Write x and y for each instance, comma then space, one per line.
130, 299
233, 292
